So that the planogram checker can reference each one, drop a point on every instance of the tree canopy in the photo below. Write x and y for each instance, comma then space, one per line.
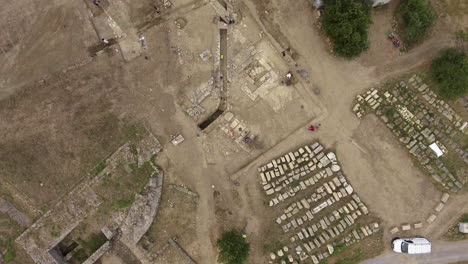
233, 248
418, 18
450, 71
346, 22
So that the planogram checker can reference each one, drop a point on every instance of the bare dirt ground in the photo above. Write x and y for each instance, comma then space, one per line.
71, 121
175, 217
54, 132
40, 38
111, 259
396, 182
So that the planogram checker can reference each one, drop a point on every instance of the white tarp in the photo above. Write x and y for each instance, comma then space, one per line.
436, 149
177, 140
463, 228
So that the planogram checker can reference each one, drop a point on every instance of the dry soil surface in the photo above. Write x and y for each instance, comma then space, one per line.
57, 122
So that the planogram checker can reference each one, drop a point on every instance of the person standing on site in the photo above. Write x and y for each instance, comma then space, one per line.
313, 128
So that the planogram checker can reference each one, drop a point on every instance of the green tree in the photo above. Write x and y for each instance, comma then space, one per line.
450, 71
346, 23
233, 248
418, 18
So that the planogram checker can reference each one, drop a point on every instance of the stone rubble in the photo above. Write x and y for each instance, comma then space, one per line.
418, 118
83, 201
313, 173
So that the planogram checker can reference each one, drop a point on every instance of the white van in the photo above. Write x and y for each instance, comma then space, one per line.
414, 245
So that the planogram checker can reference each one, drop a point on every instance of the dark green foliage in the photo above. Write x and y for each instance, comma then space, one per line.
233, 248
94, 242
462, 35
295, 183
9, 256
100, 167
418, 18
464, 218
390, 112
80, 255
347, 22
450, 71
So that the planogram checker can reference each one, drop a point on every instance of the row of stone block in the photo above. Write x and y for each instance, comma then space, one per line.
274, 181
309, 215
320, 194
306, 249
432, 217
345, 215
302, 185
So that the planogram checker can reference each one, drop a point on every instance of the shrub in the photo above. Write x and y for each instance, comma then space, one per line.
233, 248
462, 35
418, 18
450, 71
9, 256
346, 22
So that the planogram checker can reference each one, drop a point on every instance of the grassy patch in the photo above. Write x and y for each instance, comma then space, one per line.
233, 248
80, 255
454, 164
94, 242
125, 203
389, 113
100, 167
338, 249
9, 256
295, 183
272, 246
453, 234
462, 35
355, 257
118, 189
44, 208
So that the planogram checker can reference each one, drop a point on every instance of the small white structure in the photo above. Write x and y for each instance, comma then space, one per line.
379, 2
463, 227
438, 151
319, 3
177, 140
462, 128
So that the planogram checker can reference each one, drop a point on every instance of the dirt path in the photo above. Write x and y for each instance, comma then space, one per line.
339, 81
153, 87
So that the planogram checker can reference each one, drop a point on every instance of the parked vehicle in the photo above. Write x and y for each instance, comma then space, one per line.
414, 245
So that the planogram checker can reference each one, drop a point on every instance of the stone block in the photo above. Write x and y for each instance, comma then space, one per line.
406, 227
300, 235
418, 225
445, 197
439, 207
394, 230
356, 235
431, 219
364, 231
